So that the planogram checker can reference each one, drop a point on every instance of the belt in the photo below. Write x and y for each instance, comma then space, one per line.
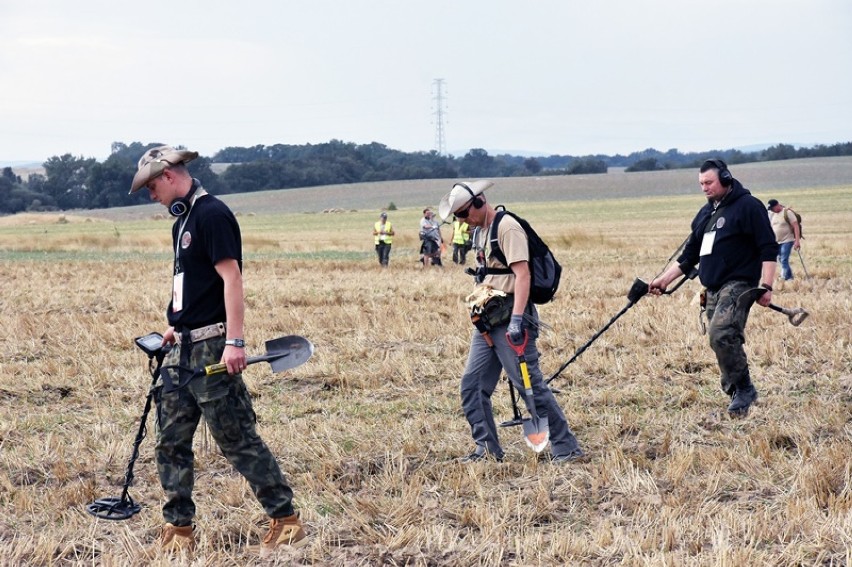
204, 333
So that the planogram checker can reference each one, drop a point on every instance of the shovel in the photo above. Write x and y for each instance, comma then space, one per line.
536, 429
282, 354
795, 315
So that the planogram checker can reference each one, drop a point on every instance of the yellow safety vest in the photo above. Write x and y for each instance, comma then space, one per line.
388, 239
460, 235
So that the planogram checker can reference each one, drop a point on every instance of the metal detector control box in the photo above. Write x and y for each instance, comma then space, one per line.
151, 344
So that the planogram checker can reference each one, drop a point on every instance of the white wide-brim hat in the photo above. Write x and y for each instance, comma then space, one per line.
460, 195
154, 163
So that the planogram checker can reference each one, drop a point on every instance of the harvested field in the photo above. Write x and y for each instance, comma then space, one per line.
369, 431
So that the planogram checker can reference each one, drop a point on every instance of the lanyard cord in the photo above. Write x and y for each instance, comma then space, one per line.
199, 193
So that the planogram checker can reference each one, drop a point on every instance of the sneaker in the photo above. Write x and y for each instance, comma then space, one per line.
575, 456
175, 539
741, 402
476, 457
283, 531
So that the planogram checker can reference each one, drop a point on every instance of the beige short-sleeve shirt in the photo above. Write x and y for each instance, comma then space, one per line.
781, 226
514, 245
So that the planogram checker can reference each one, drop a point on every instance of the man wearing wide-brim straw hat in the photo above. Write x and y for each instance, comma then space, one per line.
490, 353
205, 318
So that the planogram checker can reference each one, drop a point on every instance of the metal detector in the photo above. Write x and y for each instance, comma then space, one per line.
123, 507
282, 354
637, 291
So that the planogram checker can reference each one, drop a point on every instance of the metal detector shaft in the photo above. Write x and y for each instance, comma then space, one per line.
638, 290
517, 418
588, 343
122, 508
802, 260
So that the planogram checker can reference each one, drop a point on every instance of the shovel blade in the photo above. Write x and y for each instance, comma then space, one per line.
749, 296
285, 353
797, 315
536, 433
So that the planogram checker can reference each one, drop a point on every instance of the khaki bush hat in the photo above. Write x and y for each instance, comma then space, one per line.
154, 163
459, 196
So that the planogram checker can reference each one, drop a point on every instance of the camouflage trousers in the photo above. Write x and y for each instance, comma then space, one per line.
727, 334
224, 402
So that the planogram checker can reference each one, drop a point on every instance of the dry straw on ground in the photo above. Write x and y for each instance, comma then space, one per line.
369, 430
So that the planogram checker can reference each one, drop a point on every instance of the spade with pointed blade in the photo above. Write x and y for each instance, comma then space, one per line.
536, 429
282, 354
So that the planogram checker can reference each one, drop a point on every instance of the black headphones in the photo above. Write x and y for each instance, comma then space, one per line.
181, 205
477, 200
725, 177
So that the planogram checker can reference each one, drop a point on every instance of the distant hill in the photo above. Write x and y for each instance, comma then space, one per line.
764, 179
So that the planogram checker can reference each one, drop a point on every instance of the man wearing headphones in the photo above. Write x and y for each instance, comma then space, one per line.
734, 246
205, 319
518, 323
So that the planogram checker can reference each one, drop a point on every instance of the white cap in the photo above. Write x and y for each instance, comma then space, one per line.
460, 195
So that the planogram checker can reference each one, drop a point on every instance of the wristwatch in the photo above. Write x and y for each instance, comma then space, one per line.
239, 343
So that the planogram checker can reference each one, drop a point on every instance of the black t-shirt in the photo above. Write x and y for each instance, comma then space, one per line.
208, 234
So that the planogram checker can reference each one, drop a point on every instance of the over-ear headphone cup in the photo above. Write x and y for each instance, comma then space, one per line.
178, 208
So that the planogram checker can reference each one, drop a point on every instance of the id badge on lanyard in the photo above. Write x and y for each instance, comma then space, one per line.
707, 243
177, 293
177, 283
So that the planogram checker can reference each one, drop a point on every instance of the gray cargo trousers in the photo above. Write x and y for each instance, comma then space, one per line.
727, 334
481, 374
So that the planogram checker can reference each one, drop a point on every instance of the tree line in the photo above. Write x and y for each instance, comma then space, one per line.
71, 182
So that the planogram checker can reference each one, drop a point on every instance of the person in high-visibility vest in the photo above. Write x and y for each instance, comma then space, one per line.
383, 231
461, 240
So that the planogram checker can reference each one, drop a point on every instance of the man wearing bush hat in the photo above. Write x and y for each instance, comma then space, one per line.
205, 327
155, 161
516, 320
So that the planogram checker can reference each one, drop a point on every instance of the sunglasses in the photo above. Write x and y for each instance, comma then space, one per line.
465, 212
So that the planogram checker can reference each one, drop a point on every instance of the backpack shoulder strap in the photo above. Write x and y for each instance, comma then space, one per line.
494, 245
493, 242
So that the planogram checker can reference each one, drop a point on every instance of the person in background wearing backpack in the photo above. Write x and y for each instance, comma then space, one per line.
732, 243
515, 320
788, 234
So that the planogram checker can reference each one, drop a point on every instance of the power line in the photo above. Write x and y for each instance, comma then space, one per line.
440, 134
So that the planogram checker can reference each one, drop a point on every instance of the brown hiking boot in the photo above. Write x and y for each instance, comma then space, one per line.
175, 539
283, 531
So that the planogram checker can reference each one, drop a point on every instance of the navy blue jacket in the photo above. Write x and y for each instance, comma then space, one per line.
744, 240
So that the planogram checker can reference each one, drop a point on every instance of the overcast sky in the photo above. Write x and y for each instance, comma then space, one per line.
542, 76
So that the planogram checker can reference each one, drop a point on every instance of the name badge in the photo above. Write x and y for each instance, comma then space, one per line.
707, 243
177, 293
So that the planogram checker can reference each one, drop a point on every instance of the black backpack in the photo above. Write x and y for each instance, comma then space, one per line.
545, 271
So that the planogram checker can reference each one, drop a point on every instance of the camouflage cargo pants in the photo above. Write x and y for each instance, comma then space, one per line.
225, 404
727, 334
